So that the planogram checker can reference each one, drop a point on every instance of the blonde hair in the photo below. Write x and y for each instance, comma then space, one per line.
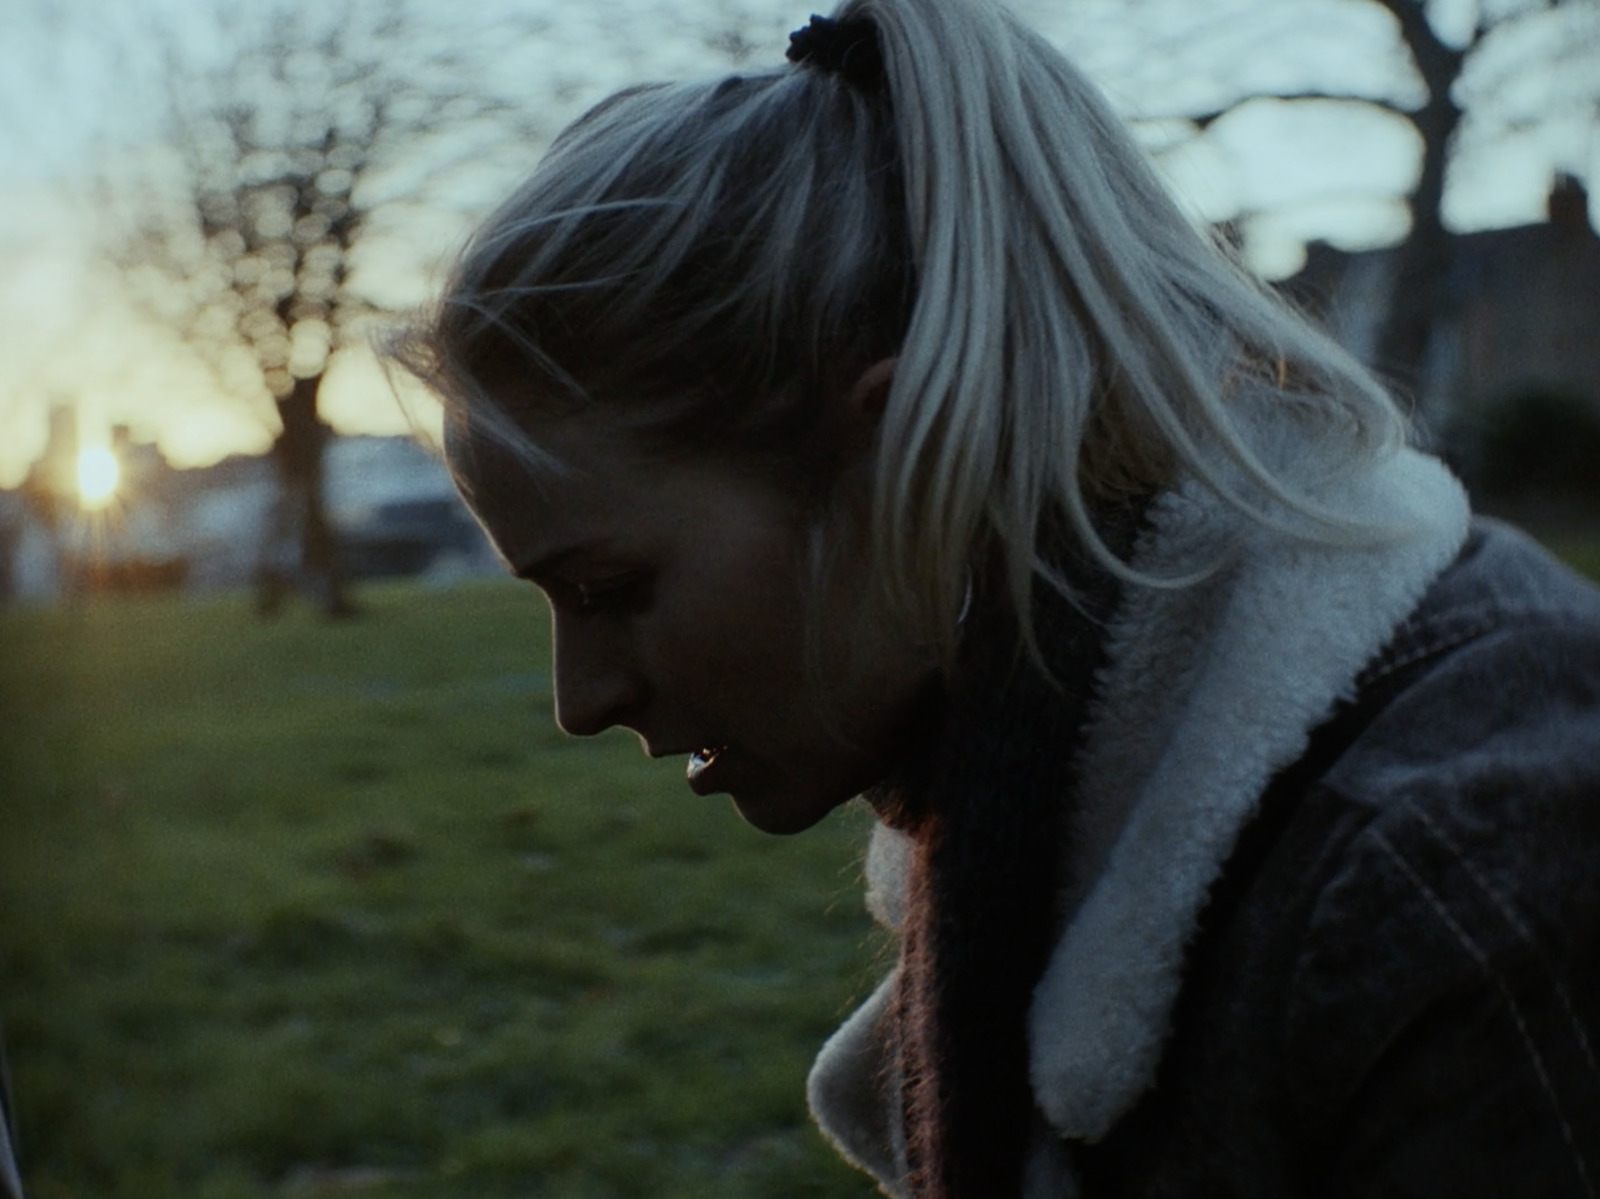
707, 261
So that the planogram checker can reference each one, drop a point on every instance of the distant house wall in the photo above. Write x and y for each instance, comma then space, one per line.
1522, 313
1529, 314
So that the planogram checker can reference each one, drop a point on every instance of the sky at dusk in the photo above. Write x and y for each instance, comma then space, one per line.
81, 87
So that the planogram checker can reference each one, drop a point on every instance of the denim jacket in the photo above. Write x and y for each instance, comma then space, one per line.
1340, 929
1395, 988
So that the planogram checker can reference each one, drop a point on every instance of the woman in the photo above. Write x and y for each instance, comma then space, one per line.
877, 424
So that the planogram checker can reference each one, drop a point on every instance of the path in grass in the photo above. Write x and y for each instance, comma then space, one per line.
300, 908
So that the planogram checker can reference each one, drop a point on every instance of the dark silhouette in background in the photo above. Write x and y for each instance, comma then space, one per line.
1475, 89
1510, 380
301, 551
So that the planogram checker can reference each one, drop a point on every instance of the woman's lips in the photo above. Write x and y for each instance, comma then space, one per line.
702, 770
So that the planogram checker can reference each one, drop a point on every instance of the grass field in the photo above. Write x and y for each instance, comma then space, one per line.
304, 909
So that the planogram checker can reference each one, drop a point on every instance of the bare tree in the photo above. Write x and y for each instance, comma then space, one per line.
1488, 70
288, 141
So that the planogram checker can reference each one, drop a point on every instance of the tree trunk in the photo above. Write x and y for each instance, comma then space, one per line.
301, 552
1420, 295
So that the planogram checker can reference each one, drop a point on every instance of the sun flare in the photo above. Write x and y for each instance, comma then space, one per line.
98, 476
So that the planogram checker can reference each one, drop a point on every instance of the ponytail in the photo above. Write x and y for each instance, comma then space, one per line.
1075, 341
711, 260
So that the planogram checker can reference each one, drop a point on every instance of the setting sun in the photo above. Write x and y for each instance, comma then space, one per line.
98, 475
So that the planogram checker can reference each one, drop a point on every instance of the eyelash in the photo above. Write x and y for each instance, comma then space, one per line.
622, 594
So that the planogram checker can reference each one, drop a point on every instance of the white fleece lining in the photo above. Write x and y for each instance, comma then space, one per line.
848, 1073
1207, 692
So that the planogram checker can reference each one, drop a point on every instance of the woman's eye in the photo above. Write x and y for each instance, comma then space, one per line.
624, 593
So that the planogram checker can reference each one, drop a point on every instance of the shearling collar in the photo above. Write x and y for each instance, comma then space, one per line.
1207, 691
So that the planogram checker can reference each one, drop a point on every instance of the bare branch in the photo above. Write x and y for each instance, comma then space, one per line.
1204, 120
268, 200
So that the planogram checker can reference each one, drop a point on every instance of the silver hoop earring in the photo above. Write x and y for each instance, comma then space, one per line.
966, 602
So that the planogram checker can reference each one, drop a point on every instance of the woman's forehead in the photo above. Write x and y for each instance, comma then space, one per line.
536, 499
486, 446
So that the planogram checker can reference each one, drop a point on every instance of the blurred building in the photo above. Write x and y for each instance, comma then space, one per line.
390, 501
1521, 315
397, 512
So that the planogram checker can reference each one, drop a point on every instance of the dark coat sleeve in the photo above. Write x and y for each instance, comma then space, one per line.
1441, 1035
1396, 990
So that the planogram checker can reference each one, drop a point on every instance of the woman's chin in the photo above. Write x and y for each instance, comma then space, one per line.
784, 801
782, 812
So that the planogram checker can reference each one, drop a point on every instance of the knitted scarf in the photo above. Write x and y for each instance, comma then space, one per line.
986, 807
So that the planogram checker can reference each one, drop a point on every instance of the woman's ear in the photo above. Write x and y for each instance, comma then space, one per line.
857, 412
870, 394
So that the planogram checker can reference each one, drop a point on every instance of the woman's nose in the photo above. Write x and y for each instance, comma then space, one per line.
596, 683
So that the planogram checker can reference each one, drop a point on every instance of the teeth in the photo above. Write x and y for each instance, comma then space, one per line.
701, 759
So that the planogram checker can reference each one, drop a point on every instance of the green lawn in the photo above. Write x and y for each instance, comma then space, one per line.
309, 910
305, 909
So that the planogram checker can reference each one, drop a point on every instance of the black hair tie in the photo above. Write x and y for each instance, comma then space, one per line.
848, 49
